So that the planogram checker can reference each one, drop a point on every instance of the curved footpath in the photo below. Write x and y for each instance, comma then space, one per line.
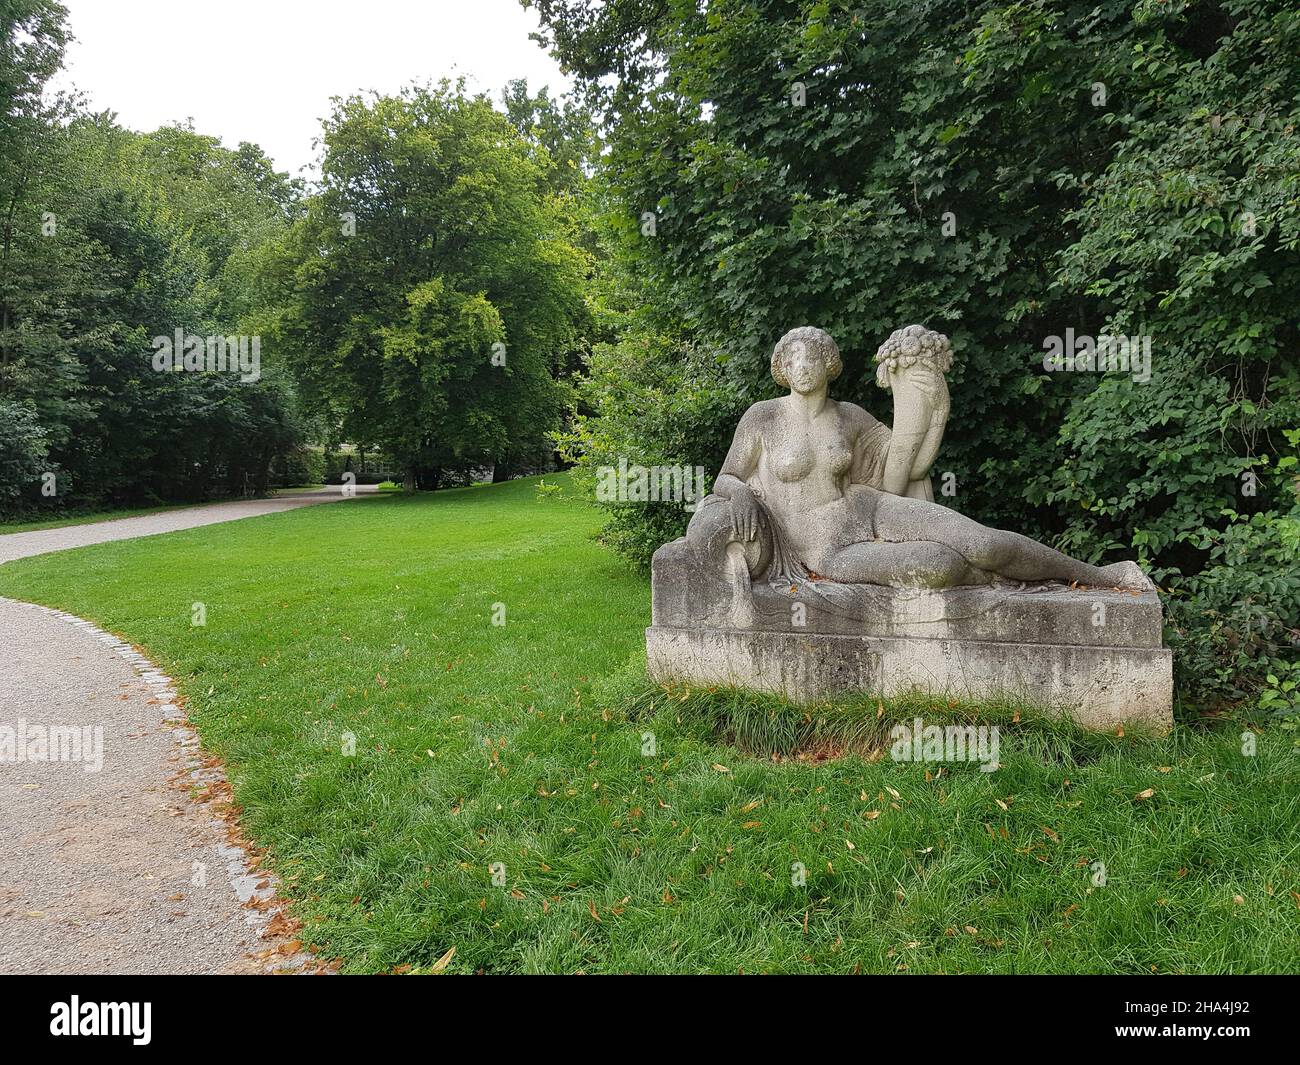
42, 541
118, 849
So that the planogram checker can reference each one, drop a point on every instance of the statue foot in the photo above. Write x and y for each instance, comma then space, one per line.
1128, 574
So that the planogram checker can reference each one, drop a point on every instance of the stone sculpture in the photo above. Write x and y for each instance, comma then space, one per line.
822, 563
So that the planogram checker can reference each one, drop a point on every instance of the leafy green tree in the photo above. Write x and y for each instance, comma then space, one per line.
562, 127
115, 238
23, 455
432, 291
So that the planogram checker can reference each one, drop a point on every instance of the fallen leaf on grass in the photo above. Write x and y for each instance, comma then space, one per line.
443, 962
1145, 794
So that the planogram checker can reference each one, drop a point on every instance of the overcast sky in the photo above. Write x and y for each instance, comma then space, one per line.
264, 70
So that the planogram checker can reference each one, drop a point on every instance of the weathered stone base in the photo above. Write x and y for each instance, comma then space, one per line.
1097, 686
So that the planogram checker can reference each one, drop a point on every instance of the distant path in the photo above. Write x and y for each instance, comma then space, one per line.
42, 541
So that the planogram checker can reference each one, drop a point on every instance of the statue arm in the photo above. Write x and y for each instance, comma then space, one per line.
920, 416
741, 460
870, 451
738, 467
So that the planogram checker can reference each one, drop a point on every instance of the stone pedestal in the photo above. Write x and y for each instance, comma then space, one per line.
1092, 654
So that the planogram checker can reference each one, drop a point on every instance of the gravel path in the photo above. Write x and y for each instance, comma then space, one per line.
118, 851
41, 541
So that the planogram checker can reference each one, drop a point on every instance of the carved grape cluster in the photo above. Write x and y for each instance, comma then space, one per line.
909, 346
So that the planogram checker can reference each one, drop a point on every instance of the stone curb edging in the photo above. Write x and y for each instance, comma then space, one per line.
256, 890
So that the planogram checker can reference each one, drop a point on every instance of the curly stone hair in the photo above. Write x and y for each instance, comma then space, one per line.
818, 340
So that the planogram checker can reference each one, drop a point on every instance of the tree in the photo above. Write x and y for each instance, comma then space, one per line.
114, 238
431, 292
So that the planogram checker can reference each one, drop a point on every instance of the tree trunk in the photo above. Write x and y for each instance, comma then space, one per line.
430, 478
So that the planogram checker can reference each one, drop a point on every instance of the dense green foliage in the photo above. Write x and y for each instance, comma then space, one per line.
111, 239
427, 298
524, 744
1001, 172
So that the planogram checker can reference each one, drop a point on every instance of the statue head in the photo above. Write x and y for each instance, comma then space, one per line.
811, 354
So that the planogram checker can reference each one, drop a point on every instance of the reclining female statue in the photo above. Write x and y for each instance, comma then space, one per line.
819, 488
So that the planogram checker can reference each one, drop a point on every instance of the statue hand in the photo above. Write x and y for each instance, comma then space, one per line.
925, 379
745, 513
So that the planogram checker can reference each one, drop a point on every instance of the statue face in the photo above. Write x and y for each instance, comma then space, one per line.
805, 368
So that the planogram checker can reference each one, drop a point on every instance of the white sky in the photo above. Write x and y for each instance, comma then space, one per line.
264, 70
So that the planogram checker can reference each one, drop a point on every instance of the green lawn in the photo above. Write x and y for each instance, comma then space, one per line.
522, 745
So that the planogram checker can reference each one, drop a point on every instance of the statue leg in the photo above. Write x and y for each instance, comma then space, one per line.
994, 551
915, 564
743, 614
